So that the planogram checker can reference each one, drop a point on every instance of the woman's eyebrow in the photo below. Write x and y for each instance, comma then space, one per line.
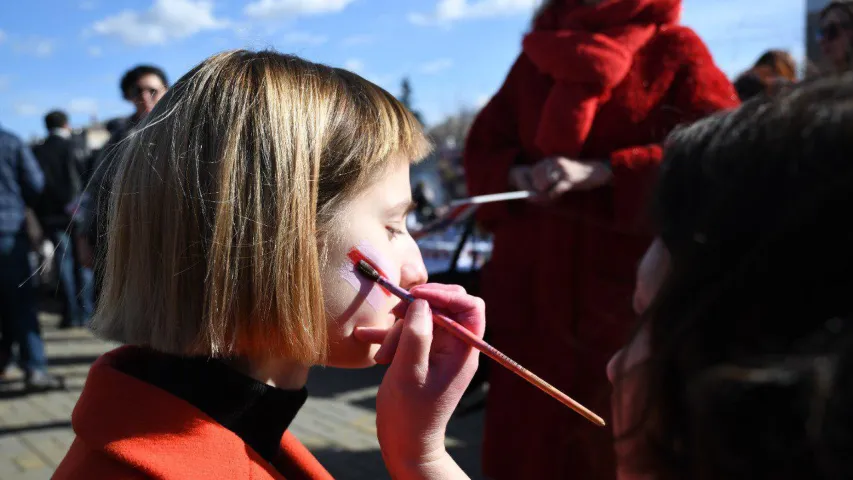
403, 208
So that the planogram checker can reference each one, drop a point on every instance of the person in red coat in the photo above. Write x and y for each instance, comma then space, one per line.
236, 210
579, 119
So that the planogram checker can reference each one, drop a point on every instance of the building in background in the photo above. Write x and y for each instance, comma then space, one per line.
813, 8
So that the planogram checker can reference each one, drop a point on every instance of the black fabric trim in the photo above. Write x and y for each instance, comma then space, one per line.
256, 412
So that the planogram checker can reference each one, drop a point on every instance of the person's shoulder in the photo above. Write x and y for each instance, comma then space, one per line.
10, 138
681, 42
11, 146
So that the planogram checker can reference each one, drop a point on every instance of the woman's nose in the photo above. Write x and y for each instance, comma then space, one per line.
413, 272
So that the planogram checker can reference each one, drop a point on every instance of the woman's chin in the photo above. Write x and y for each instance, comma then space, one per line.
352, 353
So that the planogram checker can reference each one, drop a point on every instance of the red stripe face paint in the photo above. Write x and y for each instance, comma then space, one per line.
375, 295
356, 256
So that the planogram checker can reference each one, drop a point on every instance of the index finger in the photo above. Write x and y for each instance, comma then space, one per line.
440, 286
466, 310
451, 301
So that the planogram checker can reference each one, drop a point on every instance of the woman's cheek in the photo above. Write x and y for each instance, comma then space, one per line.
379, 299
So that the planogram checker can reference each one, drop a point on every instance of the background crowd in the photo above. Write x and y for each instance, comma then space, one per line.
580, 120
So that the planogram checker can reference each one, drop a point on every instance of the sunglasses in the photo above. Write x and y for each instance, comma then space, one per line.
832, 31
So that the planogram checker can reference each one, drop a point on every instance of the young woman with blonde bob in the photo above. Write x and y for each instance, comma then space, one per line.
232, 212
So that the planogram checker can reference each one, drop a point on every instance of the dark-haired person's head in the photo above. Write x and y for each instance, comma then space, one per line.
144, 86
749, 371
773, 72
835, 35
55, 120
750, 84
780, 62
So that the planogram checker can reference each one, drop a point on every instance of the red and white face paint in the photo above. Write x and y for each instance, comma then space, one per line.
372, 228
375, 296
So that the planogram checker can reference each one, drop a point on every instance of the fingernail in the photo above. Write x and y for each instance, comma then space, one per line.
421, 317
421, 307
379, 355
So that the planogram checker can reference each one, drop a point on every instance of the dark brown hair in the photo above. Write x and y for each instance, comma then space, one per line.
780, 63
749, 372
845, 6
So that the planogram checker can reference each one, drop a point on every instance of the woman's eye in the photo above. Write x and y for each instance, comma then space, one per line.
393, 232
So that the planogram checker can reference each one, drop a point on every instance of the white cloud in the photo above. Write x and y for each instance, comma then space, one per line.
436, 66
354, 64
35, 46
94, 51
291, 8
422, 20
357, 40
26, 109
448, 11
87, 5
305, 38
43, 48
84, 105
166, 20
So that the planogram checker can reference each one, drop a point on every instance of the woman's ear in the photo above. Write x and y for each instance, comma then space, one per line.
651, 272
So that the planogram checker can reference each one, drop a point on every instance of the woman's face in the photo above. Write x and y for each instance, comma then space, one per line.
624, 368
375, 224
836, 38
145, 93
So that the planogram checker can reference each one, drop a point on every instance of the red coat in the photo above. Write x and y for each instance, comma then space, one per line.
127, 429
559, 285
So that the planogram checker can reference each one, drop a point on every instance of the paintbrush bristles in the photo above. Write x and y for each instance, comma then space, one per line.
367, 270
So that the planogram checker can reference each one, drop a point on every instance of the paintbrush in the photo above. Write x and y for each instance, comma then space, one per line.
492, 197
472, 340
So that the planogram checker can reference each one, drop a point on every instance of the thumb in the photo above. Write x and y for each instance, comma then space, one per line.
416, 339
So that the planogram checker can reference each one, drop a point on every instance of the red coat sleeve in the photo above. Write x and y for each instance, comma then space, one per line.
699, 89
492, 147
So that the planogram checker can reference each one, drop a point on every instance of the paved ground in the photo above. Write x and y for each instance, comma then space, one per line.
337, 423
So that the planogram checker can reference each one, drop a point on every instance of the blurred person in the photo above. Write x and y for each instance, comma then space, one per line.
579, 121
21, 183
143, 86
743, 364
774, 72
227, 276
835, 35
423, 197
56, 207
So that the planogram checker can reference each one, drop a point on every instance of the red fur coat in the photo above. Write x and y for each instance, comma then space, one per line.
558, 288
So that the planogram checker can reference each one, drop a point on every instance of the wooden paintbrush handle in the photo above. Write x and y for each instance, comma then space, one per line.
465, 335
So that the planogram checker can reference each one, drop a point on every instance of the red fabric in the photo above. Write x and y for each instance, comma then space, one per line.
559, 285
128, 429
587, 52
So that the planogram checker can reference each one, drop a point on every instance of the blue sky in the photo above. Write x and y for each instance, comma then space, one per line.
70, 54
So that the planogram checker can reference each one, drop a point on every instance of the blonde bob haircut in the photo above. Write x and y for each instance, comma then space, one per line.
221, 200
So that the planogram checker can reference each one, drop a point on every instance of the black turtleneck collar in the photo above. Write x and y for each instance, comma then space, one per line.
258, 413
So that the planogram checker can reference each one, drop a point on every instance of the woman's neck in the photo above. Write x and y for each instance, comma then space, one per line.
278, 373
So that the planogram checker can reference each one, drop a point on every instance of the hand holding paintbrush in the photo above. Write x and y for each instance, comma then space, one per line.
477, 342
428, 372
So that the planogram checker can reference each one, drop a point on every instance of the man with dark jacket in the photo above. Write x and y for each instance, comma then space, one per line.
21, 183
58, 160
